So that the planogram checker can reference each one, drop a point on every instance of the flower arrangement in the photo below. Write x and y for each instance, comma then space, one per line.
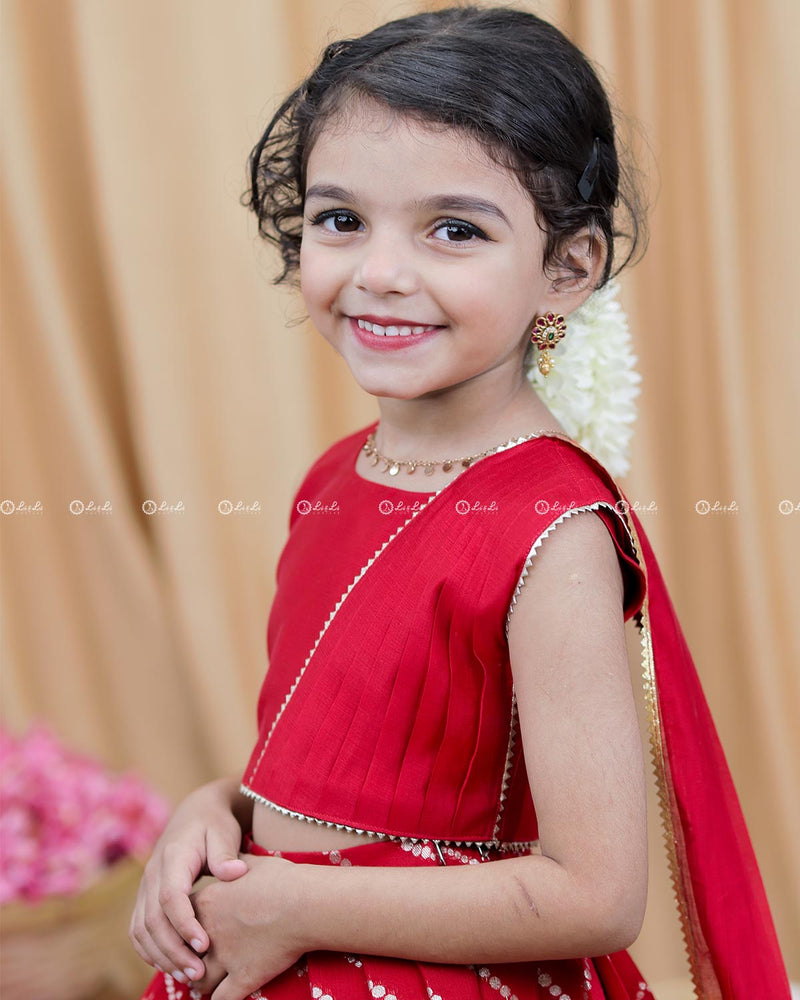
593, 383
64, 819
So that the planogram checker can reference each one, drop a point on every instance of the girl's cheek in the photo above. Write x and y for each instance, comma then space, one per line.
308, 276
316, 272
315, 295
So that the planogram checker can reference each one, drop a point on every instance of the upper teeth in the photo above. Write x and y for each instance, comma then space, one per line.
390, 331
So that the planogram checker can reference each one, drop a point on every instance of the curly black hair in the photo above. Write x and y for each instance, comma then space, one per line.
506, 77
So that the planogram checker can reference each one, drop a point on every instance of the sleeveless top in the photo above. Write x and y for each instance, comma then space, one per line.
388, 707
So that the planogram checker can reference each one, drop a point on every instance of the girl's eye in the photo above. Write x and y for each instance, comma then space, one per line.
338, 221
456, 231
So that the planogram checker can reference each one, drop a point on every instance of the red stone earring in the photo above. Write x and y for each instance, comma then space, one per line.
546, 332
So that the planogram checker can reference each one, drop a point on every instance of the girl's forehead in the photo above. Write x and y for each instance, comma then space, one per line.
363, 134
368, 119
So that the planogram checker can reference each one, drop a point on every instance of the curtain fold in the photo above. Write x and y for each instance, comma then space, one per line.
148, 358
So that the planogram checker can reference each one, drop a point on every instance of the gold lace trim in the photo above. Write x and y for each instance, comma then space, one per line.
495, 845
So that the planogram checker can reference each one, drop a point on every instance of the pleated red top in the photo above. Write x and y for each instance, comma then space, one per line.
388, 704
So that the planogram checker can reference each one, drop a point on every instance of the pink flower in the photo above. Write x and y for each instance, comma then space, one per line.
64, 818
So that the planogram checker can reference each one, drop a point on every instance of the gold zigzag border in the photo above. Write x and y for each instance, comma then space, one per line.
660, 769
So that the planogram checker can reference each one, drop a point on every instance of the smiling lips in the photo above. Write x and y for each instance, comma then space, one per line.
391, 333
393, 330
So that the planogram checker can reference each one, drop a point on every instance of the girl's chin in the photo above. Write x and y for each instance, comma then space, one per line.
382, 389
388, 381
385, 385
394, 383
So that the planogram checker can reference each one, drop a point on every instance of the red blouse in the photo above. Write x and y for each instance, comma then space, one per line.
388, 706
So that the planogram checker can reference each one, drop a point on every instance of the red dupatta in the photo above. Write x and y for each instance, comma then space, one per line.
730, 938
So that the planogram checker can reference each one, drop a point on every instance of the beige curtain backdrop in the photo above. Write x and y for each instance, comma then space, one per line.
147, 357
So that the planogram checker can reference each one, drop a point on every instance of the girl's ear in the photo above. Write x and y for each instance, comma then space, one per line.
574, 276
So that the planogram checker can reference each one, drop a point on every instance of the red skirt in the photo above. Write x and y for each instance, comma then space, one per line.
325, 975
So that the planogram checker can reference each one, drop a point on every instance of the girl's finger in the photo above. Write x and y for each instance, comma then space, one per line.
176, 956
149, 952
232, 989
141, 940
222, 855
157, 941
214, 975
175, 906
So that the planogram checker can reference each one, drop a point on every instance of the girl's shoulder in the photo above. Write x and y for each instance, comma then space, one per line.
546, 461
540, 485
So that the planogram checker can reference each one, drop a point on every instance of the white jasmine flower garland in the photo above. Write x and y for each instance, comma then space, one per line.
593, 383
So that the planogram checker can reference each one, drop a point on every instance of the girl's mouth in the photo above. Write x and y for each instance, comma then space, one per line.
390, 334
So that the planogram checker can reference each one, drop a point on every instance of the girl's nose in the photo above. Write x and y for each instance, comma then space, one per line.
384, 268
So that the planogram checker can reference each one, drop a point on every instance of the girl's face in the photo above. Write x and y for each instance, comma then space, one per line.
421, 258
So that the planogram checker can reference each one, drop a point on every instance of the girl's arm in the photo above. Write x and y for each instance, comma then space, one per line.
585, 894
204, 834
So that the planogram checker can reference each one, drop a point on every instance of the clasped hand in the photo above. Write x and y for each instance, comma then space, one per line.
250, 927
171, 928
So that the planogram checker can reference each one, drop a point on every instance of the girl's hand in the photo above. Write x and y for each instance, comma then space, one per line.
254, 925
203, 836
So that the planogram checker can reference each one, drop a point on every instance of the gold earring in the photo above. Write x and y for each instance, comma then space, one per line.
546, 332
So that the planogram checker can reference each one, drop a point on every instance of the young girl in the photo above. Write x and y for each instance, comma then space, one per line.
446, 799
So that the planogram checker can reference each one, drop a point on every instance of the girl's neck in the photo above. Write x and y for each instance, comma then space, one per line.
436, 429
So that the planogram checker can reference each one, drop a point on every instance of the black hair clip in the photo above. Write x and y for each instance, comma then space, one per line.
591, 171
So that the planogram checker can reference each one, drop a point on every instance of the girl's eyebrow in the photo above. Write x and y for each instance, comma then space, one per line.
436, 203
463, 203
329, 191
